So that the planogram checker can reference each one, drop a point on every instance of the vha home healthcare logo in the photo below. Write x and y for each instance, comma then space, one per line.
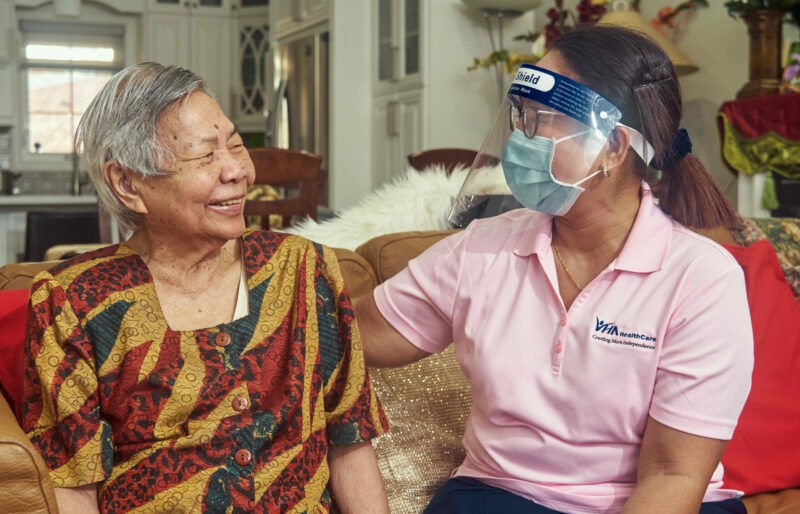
527, 77
609, 333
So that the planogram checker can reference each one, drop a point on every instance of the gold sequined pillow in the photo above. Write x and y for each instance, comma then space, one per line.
427, 403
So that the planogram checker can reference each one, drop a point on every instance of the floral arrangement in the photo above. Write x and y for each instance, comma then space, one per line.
791, 75
666, 16
587, 12
743, 7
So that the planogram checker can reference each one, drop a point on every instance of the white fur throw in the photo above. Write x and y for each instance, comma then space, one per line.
413, 201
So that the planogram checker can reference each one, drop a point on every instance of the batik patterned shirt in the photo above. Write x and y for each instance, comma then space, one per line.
236, 417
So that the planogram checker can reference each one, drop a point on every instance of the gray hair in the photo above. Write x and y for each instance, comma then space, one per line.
121, 125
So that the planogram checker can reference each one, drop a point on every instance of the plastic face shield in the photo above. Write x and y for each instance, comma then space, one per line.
539, 104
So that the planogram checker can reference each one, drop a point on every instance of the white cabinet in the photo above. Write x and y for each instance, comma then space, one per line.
397, 44
8, 69
398, 131
253, 77
399, 114
198, 41
213, 7
292, 16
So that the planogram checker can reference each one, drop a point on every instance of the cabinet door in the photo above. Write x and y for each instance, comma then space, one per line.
398, 43
251, 7
398, 122
183, 6
412, 137
253, 77
292, 16
386, 158
8, 69
168, 39
211, 55
9, 94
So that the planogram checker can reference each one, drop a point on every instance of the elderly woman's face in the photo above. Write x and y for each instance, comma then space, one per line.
203, 197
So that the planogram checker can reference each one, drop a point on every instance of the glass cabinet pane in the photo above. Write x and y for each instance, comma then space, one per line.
412, 37
211, 3
384, 39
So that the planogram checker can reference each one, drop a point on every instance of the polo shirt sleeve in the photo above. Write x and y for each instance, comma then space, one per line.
706, 362
61, 407
353, 413
419, 302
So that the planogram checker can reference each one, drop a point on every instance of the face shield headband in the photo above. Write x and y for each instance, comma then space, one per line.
575, 100
546, 123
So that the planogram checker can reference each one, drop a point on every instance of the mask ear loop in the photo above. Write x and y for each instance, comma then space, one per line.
605, 170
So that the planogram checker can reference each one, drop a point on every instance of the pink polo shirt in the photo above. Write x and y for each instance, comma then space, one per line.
560, 398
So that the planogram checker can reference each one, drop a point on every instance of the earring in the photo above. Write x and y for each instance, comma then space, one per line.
605, 169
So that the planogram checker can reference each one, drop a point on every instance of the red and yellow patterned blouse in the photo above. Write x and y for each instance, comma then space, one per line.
233, 418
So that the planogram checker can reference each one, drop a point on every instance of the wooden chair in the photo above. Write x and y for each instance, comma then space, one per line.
289, 170
447, 157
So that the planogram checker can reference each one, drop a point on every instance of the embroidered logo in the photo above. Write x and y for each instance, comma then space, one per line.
609, 333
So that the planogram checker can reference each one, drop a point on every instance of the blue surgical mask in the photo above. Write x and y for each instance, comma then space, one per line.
527, 166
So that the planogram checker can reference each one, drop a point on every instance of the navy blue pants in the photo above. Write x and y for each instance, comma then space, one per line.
470, 496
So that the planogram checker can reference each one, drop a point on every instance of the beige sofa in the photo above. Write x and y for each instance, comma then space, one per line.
426, 402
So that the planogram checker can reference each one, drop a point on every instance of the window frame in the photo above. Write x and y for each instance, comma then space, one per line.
97, 26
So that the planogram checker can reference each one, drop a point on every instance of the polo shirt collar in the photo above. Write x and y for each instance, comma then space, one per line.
647, 244
644, 250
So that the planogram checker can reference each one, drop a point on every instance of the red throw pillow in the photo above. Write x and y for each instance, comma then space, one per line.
13, 314
764, 454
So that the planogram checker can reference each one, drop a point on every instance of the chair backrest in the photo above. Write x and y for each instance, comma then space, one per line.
447, 157
296, 171
46, 229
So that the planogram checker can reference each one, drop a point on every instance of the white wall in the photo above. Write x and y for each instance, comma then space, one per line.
350, 101
463, 104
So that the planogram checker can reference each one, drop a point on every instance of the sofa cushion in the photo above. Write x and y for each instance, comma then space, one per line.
390, 253
13, 313
428, 403
764, 452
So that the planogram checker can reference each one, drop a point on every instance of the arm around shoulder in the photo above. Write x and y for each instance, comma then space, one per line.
384, 346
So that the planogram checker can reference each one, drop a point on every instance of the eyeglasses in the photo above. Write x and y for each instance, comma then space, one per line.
530, 119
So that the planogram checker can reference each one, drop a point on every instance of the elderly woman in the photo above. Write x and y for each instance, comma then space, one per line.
197, 366
608, 346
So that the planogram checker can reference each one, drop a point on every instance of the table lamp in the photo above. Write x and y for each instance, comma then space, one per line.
499, 10
622, 16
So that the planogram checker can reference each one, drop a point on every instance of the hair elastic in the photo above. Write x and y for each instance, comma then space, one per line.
681, 147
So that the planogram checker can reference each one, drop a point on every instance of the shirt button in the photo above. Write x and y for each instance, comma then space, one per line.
223, 339
563, 321
240, 403
243, 457
557, 348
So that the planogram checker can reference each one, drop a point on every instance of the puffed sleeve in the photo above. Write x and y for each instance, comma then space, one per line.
352, 409
420, 300
705, 369
61, 408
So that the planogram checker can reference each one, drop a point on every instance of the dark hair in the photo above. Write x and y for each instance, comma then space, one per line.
633, 73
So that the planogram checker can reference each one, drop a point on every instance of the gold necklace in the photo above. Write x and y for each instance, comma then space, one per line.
561, 260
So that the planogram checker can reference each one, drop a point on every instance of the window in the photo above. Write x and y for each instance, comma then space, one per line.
64, 66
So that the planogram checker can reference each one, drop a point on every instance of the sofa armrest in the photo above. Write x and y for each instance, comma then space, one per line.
24, 480
358, 275
20, 276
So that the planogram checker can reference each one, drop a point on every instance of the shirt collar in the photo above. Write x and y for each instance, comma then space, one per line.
644, 250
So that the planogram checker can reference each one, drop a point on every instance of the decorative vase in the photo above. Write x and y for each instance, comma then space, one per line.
764, 28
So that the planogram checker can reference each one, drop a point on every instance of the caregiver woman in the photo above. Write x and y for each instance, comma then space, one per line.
609, 346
